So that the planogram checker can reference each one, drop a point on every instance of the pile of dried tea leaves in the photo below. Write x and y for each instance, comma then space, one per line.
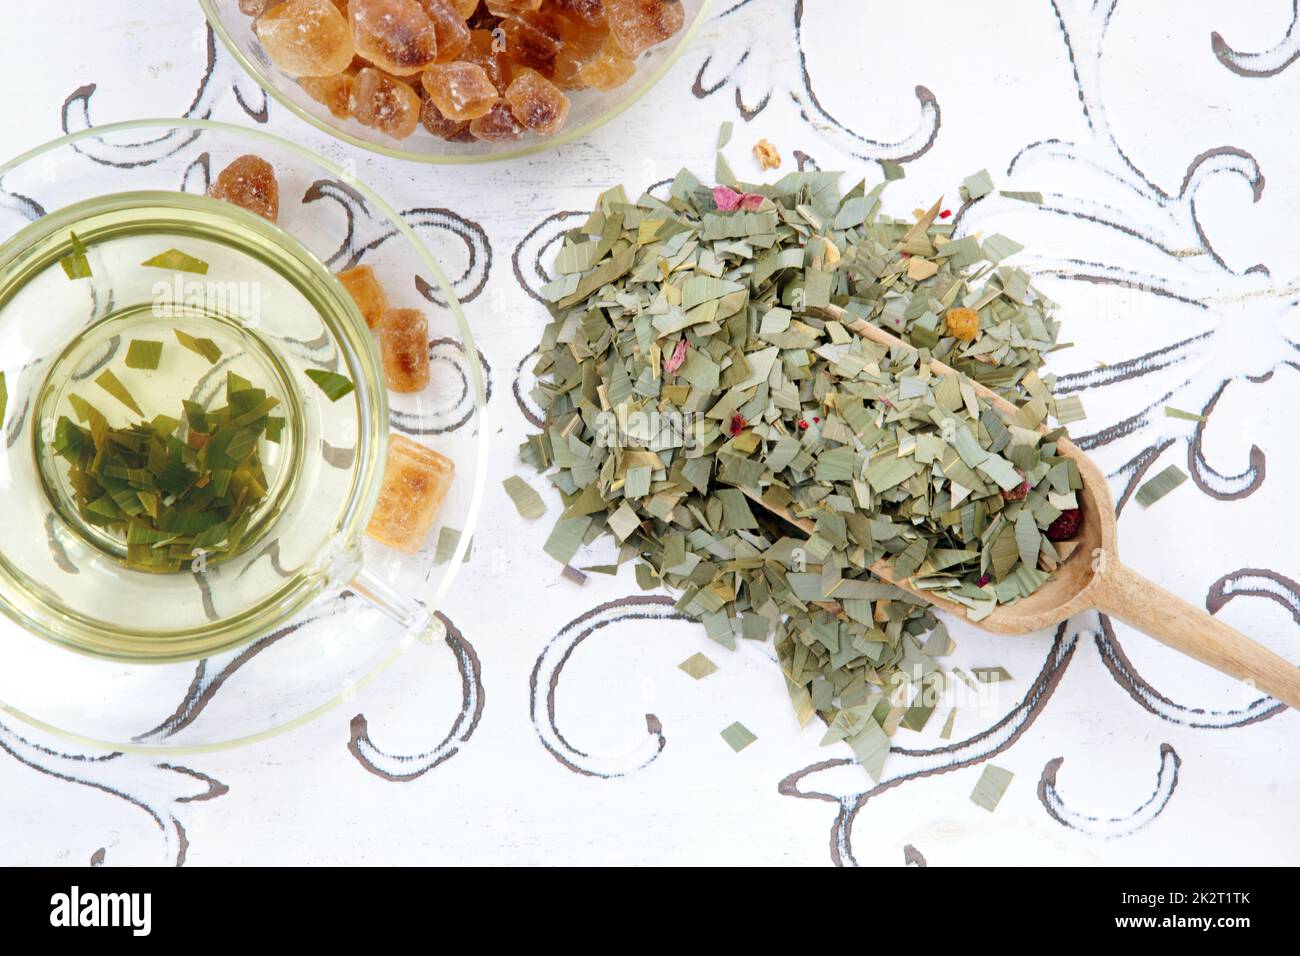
700, 374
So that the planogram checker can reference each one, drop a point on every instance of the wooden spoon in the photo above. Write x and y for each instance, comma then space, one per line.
1093, 577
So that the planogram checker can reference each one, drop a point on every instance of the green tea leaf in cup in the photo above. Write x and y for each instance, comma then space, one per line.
113, 385
177, 261
175, 504
334, 385
144, 354
4, 398
76, 265
207, 348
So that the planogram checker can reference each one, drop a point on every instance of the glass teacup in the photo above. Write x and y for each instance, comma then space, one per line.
268, 305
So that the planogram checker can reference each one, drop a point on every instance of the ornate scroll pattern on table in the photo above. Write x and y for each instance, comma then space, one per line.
219, 71
906, 764
24, 206
1153, 244
157, 789
1268, 62
212, 673
533, 256
403, 768
1107, 828
761, 70
1131, 475
523, 377
544, 684
827, 781
531, 263
1246, 582
449, 412
365, 232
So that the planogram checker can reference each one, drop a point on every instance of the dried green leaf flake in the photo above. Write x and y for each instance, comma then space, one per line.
946, 733
977, 185
738, 736
998, 247
448, 542
1070, 410
1030, 197
527, 501
566, 538
990, 787
871, 746
1153, 489
698, 666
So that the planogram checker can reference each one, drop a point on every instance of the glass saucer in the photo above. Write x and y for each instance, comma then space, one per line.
337, 622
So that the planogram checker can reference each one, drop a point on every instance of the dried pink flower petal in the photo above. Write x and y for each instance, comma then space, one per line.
728, 200
673, 362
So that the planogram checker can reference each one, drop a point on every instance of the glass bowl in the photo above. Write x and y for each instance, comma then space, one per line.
590, 108
308, 609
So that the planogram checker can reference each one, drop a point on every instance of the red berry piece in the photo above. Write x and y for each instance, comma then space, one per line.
1018, 493
1066, 526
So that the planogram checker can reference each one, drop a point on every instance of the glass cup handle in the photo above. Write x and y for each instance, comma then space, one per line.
344, 568
416, 619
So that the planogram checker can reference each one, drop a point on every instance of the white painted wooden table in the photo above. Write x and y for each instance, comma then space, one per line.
1173, 184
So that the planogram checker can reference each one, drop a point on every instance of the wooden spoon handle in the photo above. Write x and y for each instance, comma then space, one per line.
1125, 594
